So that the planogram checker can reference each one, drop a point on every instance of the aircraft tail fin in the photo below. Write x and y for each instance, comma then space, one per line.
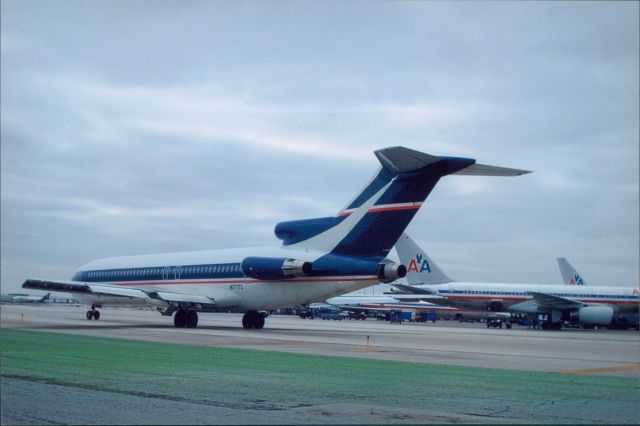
421, 269
372, 222
569, 274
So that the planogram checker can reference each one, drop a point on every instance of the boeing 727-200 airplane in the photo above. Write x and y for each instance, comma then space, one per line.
319, 258
590, 305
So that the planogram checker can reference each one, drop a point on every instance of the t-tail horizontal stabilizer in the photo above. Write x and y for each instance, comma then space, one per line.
372, 223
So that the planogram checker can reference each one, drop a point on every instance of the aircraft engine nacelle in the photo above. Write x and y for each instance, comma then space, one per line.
388, 272
274, 268
596, 315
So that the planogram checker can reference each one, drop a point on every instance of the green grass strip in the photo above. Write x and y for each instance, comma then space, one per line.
255, 379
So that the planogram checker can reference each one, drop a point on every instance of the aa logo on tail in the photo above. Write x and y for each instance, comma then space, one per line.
576, 280
419, 264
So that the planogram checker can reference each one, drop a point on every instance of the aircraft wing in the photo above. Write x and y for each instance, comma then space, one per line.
358, 309
126, 294
545, 300
84, 288
413, 289
436, 300
352, 308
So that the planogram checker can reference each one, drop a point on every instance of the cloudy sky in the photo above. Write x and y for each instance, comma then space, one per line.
132, 127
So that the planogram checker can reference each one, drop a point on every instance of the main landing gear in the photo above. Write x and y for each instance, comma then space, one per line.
253, 319
93, 313
185, 318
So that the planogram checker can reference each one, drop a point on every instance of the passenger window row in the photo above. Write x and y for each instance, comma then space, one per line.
167, 272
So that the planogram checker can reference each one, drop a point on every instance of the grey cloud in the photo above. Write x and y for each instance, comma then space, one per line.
129, 128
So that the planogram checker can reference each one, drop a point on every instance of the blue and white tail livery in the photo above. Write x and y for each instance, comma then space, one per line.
372, 222
319, 258
569, 274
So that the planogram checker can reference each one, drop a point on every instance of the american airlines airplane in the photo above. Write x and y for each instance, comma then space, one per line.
319, 258
587, 304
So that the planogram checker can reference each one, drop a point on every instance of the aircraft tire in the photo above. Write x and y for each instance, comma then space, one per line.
191, 319
96, 315
89, 315
245, 321
252, 319
179, 320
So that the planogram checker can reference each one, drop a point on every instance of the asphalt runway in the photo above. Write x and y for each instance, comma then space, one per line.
586, 352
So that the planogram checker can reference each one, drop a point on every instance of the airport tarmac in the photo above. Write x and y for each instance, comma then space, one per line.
572, 351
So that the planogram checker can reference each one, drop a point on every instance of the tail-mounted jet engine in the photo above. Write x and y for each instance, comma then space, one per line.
274, 268
388, 272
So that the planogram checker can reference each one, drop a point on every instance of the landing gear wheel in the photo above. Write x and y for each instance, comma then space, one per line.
179, 319
191, 319
253, 319
93, 313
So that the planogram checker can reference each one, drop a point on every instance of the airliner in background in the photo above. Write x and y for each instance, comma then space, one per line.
590, 305
319, 258
389, 302
24, 298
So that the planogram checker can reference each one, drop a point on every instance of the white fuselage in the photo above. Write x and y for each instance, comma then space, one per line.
481, 295
216, 274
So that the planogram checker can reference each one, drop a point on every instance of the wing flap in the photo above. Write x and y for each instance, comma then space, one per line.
410, 289
62, 286
436, 300
116, 291
84, 288
183, 298
549, 301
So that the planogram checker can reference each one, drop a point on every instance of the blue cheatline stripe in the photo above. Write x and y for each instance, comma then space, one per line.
201, 271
